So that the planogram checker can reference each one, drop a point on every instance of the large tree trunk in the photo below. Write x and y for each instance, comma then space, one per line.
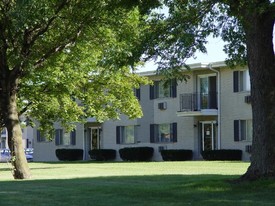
11, 121
261, 64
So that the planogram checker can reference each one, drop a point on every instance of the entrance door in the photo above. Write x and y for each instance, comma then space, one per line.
208, 135
92, 140
95, 137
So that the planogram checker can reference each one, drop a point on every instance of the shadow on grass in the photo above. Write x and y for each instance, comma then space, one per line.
138, 190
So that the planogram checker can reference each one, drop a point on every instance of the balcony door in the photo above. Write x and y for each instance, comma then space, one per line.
207, 91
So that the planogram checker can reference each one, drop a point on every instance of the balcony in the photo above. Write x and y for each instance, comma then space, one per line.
198, 104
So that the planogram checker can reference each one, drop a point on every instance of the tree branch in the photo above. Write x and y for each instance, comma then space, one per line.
57, 49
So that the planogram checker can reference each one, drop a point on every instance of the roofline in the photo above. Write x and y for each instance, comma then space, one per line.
195, 66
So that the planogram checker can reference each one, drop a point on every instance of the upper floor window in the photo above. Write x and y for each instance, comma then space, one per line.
126, 134
163, 133
65, 138
241, 81
243, 130
160, 90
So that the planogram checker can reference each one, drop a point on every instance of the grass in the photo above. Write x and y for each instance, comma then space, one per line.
150, 183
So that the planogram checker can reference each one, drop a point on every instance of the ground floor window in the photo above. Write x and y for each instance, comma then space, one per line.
126, 134
243, 130
65, 138
163, 132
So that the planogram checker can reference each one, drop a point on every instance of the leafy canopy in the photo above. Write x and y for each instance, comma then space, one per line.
74, 59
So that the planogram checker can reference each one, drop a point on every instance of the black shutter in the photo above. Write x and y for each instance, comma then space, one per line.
38, 136
236, 81
138, 93
236, 130
152, 92
73, 137
152, 133
118, 134
174, 131
57, 137
174, 88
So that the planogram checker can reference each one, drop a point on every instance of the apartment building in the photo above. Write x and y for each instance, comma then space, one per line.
210, 111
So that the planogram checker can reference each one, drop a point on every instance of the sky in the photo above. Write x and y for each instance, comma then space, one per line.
214, 53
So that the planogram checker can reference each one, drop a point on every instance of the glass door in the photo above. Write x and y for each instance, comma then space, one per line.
207, 92
92, 140
208, 135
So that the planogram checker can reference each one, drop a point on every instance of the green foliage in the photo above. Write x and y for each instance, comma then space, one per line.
74, 59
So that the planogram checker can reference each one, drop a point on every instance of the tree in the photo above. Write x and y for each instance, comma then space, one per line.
247, 27
66, 60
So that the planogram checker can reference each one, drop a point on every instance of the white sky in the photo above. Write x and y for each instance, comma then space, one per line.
214, 53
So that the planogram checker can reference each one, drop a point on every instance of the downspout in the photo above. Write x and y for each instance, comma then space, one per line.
219, 104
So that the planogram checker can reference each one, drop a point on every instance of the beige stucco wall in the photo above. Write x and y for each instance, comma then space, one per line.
233, 108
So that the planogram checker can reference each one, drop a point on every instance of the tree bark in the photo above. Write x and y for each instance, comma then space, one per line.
19, 162
261, 63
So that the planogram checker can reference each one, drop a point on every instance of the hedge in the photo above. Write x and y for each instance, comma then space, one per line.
223, 154
69, 154
102, 154
176, 155
136, 153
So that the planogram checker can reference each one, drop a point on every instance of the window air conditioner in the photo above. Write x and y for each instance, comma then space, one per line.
162, 106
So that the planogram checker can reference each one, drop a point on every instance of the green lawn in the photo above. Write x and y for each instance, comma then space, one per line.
151, 183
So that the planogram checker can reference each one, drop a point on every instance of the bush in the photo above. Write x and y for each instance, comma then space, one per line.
136, 153
223, 154
102, 154
69, 154
176, 155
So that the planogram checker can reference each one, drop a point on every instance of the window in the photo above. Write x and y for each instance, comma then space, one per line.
242, 130
126, 134
160, 90
241, 81
163, 133
42, 138
68, 138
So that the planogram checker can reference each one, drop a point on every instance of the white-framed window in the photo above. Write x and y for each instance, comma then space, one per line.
243, 130
65, 138
241, 81
160, 90
126, 134
163, 133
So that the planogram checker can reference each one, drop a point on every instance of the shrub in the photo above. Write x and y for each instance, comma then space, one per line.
69, 154
176, 155
102, 154
136, 153
223, 154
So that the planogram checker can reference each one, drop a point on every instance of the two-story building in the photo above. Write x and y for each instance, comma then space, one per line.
210, 111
